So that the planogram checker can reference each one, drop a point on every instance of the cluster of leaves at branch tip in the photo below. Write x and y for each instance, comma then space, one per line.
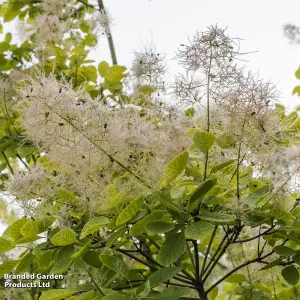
130, 195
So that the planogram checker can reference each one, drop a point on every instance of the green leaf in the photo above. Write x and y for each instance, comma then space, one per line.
82, 250
236, 278
85, 27
93, 225
7, 267
89, 72
172, 248
204, 140
296, 90
45, 259
200, 192
159, 227
220, 167
114, 263
217, 218
281, 214
30, 228
114, 296
140, 227
175, 167
57, 294
64, 260
173, 292
5, 245
8, 37
26, 239
13, 9
90, 40
190, 112
297, 73
114, 74
64, 237
213, 294
169, 203
24, 263
88, 296
129, 212
103, 68
290, 274
272, 264
199, 230
144, 290
4, 46
162, 275
15, 228
226, 141
284, 251
92, 258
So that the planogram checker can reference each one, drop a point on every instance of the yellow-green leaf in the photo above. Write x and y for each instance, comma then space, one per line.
64, 237
129, 212
5, 245
204, 140
175, 167
103, 68
57, 294
172, 248
24, 263
7, 267
93, 225
199, 230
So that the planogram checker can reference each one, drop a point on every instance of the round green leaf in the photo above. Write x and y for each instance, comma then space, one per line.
290, 274
199, 230
64, 237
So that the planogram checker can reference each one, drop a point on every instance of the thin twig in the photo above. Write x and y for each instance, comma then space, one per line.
236, 269
8, 163
208, 249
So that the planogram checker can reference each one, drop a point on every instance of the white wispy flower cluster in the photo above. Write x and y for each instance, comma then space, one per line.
49, 28
26, 184
87, 139
235, 104
56, 7
100, 21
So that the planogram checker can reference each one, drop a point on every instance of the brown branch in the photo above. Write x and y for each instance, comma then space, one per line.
238, 268
257, 236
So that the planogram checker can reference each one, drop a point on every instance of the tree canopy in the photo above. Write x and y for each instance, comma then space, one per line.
133, 186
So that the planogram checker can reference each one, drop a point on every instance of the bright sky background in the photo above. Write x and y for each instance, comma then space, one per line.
168, 23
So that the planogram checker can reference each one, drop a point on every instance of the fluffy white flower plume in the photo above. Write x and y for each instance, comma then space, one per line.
49, 28
100, 21
56, 7
89, 141
26, 185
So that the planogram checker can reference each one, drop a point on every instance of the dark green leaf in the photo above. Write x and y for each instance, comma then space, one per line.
172, 248
162, 275
290, 274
